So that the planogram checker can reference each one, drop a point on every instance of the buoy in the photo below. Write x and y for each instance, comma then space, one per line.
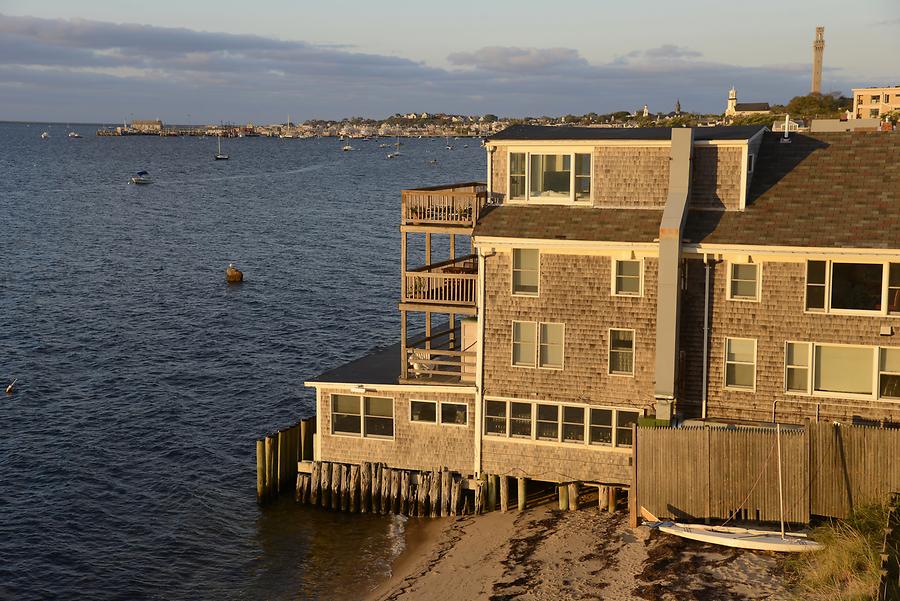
9, 389
233, 275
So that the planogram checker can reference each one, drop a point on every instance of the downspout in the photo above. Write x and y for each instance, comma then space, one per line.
490, 169
705, 334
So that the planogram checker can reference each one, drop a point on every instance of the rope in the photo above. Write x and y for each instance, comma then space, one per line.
752, 488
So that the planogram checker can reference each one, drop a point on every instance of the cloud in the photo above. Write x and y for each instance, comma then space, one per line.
887, 22
91, 70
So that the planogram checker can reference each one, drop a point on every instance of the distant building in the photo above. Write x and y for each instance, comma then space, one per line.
147, 126
737, 109
677, 107
875, 102
818, 52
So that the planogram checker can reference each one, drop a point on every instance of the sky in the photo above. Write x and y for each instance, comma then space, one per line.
209, 61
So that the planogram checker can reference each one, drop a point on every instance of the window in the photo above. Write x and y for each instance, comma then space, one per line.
495, 418
628, 278
517, 175
379, 417
423, 411
743, 281
875, 98
843, 369
583, 176
873, 112
856, 286
624, 421
621, 352
796, 366
557, 423
751, 162
547, 422
573, 424
893, 300
815, 285
552, 345
551, 175
520, 420
345, 414
455, 414
524, 343
740, 363
526, 271
887, 98
889, 373
843, 287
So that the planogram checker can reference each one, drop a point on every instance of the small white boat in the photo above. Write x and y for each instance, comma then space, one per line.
141, 177
741, 538
45, 136
219, 155
393, 155
74, 134
347, 148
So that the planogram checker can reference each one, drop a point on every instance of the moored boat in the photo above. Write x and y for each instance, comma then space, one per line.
141, 177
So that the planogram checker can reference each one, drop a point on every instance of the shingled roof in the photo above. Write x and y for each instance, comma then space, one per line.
822, 190
566, 132
555, 222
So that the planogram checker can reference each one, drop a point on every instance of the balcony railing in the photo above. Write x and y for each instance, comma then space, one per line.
452, 282
438, 359
453, 205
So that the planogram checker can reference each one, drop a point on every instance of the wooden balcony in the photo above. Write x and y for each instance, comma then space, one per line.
449, 283
455, 205
438, 359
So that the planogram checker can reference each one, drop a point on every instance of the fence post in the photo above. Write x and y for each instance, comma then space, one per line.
632, 492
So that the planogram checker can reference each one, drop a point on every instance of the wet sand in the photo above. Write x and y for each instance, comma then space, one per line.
545, 554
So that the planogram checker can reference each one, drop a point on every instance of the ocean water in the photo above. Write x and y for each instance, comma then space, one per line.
127, 451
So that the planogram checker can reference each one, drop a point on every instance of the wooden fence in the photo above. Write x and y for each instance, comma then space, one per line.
827, 470
277, 456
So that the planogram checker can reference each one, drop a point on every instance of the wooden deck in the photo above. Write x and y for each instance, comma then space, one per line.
456, 205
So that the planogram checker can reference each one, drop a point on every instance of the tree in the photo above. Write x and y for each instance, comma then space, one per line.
831, 105
489, 118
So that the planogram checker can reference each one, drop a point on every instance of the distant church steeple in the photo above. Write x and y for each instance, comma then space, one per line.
677, 106
732, 102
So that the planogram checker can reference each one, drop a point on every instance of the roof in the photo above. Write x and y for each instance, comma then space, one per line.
556, 222
822, 190
547, 132
752, 106
380, 366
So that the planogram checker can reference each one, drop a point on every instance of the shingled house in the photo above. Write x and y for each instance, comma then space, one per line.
709, 274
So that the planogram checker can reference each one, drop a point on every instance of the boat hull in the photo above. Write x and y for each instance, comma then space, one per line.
742, 538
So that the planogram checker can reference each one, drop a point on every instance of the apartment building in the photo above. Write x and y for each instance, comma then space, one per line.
714, 274
875, 102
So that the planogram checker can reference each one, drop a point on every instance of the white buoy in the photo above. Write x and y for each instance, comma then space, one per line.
9, 389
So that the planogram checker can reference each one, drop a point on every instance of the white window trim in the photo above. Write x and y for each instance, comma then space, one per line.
609, 332
571, 151
362, 416
829, 263
540, 342
512, 344
725, 363
559, 442
809, 368
738, 299
440, 417
612, 278
437, 413
876, 374
512, 272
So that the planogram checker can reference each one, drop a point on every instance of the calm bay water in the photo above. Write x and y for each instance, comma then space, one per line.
127, 457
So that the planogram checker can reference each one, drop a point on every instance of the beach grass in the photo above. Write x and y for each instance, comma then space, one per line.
849, 567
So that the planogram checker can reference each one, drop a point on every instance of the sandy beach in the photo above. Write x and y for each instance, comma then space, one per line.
546, 554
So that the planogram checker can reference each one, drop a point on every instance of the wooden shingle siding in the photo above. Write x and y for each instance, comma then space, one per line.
556, 463
574, 290
415, 446
716, 179
500, 171
631, 176
777, 318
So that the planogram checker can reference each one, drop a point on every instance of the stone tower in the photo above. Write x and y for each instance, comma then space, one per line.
731, 107
818, 51
677, 106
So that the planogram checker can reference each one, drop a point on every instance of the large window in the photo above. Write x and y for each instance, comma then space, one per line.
541, 344
740, 363
627, 278
561, 423
526, 271
743, 281
362, 415
833, 286
842, 370
621, 352
553, 177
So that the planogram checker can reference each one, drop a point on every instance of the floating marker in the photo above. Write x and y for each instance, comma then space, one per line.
9, 389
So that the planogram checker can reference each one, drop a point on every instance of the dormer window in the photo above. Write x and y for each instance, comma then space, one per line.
550, 177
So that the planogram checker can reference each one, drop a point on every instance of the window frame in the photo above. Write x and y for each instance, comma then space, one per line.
437, 412
440, 415
569, 151
726, 362
540, 343
740, 299
876, 373
609, 349
808, 367
512, 273
829, 284
361, 398
614, 276
512, 345
359, 415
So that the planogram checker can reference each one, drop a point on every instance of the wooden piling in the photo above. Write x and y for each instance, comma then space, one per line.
260, 470
479, 496
314, 483
386, 490
563, 491
376, 487
336, 481
602, 497
395, 491
435, 493
282, 461
304, 435
454, 495
302, 488
345, 487
326, 484
573, 496
445, 492
365, 487
521, 492
612, 499
404, 492
270, 467
354, 488
422, 485
632, 507
504, 493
